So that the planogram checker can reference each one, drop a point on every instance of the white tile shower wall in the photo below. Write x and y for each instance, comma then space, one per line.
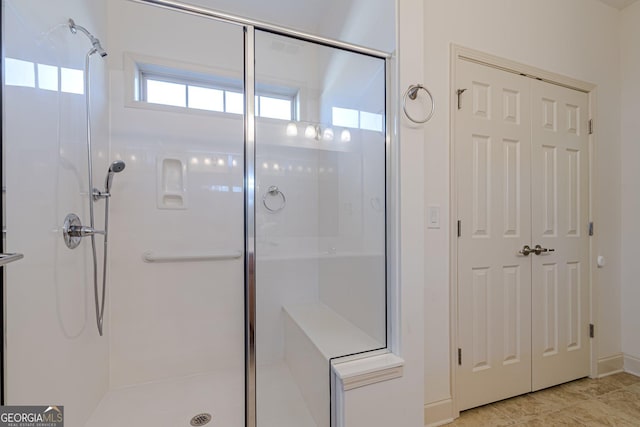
352, 285
176, 318
54, 353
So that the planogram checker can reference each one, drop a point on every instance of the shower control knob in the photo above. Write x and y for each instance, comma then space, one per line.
73, 231
84, 231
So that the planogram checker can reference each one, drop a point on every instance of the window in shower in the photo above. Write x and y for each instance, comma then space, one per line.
351, 118
209, 92
43, 76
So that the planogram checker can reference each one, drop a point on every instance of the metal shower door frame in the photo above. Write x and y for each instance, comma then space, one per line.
250, 196
249, 29
250, 397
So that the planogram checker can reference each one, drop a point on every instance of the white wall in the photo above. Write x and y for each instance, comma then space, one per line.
630, 112
576, 38
54, 353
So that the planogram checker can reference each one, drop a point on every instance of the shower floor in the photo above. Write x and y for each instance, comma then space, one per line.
172, 403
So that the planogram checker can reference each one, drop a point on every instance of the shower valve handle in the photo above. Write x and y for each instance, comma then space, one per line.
83, 231
73, 231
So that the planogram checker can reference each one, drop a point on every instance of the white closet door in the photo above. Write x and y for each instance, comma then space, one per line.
493, 159
560, 200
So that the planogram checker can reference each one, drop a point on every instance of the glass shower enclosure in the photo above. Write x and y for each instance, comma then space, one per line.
320, 277
248, 232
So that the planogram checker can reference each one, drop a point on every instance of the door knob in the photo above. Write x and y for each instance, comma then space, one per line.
526, 250
540, 250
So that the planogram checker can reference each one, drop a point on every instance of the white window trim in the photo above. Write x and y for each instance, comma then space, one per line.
138, 69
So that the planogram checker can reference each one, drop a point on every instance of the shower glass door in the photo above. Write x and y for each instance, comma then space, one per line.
319, 221
177, 295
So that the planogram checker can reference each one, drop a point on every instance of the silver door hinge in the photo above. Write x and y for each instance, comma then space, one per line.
591, 228
592, 330
460, 356
459, 92
459, 228
590, 126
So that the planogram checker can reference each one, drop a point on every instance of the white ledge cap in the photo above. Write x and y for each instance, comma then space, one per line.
368, 370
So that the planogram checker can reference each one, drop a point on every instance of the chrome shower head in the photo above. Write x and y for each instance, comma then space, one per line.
115, 167
97, 47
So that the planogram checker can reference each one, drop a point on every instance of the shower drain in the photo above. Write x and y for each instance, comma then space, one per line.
201, 419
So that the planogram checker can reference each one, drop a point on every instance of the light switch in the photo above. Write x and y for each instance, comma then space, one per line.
433, 216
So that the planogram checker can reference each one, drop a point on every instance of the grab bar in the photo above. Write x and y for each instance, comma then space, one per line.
7, 258
214, 256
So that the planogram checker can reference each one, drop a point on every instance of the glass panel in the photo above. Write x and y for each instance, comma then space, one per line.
234, 102
275, 108
166, 93
320, 228
371, 121
173, 342
206, 98
344, 117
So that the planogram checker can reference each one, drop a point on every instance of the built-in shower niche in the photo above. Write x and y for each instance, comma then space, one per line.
171, 183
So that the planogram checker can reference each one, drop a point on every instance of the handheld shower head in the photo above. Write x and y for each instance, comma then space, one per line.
115, 167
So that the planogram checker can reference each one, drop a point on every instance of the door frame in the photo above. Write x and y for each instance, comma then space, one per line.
460, 52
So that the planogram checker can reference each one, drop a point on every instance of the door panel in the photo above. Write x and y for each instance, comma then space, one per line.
560, 290
320, 222
493, 158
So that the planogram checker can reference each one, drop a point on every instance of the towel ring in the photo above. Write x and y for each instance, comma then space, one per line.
412, 93
274, 191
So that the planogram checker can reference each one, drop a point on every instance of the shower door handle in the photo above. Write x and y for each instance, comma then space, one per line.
7, 258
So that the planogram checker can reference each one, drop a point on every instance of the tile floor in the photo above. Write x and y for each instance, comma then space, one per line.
609, 401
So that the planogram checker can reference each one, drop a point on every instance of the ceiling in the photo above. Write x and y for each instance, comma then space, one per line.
618, 4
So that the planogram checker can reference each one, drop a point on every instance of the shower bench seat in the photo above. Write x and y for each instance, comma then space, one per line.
315, 337
332, 335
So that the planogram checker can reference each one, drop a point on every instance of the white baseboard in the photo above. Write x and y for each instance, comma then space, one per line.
610, 365
438, 413
632, 365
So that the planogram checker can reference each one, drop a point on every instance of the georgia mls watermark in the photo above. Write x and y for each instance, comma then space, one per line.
31, 416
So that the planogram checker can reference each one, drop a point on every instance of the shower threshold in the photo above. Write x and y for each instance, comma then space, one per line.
173, 403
